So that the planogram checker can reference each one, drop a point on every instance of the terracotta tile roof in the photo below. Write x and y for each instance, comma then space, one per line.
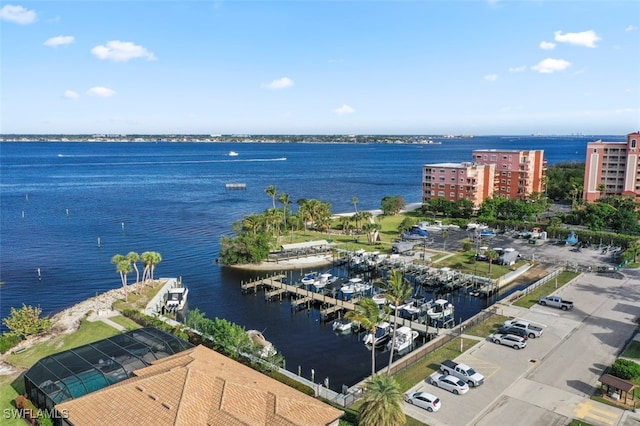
199, 387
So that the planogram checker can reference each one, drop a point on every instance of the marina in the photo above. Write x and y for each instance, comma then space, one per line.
175, 202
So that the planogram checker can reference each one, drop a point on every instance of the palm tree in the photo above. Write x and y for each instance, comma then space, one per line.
271, 192
492, 255
123, 267
354, 201
445, 235
396, 290
150, 260
368, 314
134, 258
285, 200
382, 402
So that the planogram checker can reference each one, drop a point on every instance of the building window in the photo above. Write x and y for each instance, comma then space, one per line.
452, 194
441, 178
441, 185
633, 143
440, 193
494, 158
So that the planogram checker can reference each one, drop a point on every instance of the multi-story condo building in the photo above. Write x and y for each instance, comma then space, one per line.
518, 173
454, 181
612, 168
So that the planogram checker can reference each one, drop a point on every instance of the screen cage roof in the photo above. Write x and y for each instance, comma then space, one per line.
79, 371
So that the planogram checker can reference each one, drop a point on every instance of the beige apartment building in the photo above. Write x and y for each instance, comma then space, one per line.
507, 173
454, 181
518, 173
612, 168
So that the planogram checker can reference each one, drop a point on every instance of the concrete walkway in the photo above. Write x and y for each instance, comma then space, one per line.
104, 315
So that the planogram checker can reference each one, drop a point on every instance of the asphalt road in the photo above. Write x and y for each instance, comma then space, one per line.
549, 382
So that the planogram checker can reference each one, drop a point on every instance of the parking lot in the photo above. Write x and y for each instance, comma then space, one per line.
548, 382
546, 251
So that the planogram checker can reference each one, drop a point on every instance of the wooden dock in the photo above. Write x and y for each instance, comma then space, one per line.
331, 305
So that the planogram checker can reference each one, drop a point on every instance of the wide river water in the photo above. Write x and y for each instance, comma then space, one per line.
57, 199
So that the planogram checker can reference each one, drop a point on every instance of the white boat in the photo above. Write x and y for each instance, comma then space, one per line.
403, 339
176, 299
233, 154
380, 299
309, 278
342, 325
355, 286
323, 280
266, 349
441, 309
382, 335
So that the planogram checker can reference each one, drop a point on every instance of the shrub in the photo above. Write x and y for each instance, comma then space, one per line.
625, 369
28, 411
8, 341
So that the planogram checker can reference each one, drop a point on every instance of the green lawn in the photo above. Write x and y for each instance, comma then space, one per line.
11, 386
633, 350
545, 289
487, 327
125, 322
88, 332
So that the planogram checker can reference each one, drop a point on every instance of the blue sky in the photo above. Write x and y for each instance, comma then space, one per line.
320, 67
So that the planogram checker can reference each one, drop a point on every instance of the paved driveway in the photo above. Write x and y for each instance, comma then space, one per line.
548, 382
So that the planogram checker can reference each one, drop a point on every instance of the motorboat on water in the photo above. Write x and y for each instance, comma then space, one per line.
324, 280
354, 286
309, 278
382, 335
403, 339
265, 348
233, 154
440, 309
343, 325
380, 299
175, 299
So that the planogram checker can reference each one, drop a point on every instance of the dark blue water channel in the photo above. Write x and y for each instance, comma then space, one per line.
57, 199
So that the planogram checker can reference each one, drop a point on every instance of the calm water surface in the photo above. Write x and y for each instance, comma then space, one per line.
57, 199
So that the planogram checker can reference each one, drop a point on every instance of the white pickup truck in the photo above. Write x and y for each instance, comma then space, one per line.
462, 371
556, 302
532, 330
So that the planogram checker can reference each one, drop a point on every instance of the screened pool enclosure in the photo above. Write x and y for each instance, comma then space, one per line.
85, 369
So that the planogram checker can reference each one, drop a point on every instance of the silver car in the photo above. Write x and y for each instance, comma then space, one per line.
450, 383
516, 342
424, 400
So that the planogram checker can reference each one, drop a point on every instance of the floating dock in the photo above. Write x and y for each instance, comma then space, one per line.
236, 186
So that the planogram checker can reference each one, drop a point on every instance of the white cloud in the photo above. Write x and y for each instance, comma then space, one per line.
627, 110
70, 94
121, 51
631, 28
344, 109
547, 45
101, 92
517, 69
585, 38
281, 83
491, 77
550, 65
17, 14
59, 41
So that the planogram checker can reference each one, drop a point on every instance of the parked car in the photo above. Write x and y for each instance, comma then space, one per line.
516, 342
462, 371
513, 330
556, 302
424, 400
533, 331
450, 383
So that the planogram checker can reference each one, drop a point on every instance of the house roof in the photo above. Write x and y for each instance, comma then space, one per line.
199, 387
617, 382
